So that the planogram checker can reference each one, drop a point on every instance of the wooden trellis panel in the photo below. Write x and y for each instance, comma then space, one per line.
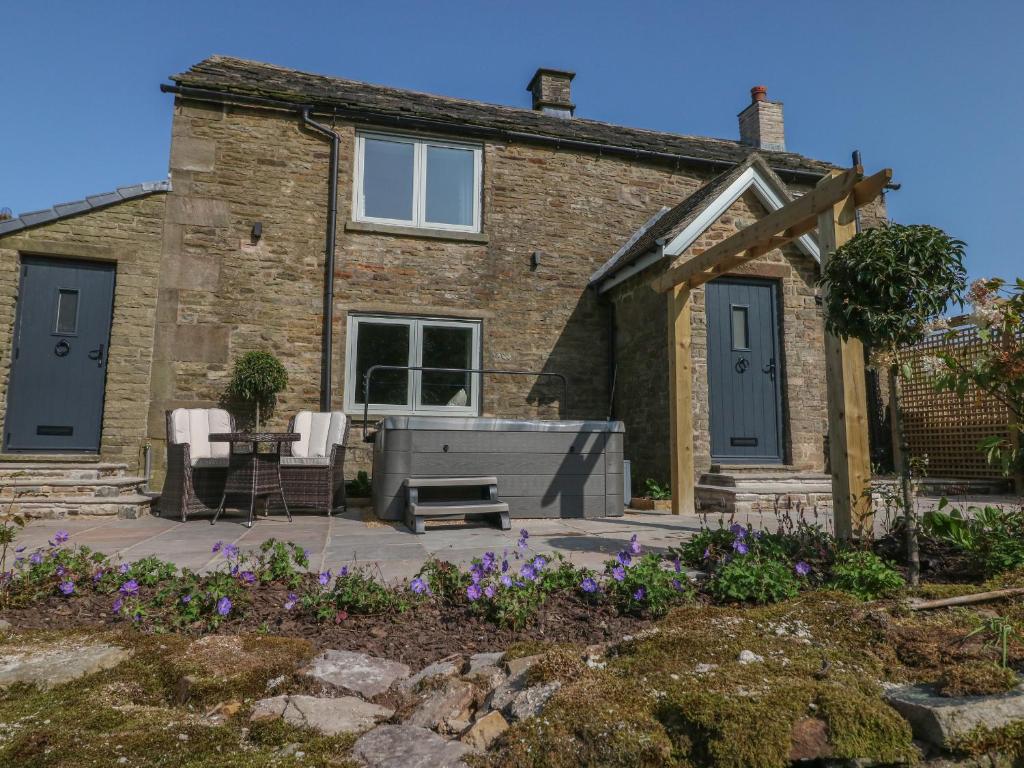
944, 427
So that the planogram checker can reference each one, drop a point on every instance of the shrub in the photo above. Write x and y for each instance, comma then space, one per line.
863, 574
753, 580
257, 378
992, 538
353, 591
644, 585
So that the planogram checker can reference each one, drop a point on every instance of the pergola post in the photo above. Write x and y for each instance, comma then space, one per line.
849, 454
680, 399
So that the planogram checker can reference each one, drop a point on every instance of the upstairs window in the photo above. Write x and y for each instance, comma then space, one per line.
417, 182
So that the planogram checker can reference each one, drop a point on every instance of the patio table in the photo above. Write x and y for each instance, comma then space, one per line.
253, 473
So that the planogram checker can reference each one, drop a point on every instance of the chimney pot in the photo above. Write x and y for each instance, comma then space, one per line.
761, 123
552, 92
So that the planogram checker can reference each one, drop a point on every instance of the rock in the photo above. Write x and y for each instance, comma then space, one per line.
749, 657
938, 720
346, 714
520, 665
530, 702
810, 740
703, 669
183, 689
5, 626
443, 668
480, 661
503, 695
273, 682
485, 731
358, 673
451, 702
55, 665
406, 746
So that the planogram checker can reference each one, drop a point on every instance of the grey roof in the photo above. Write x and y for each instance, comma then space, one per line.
64, 210
249, 78
674, 219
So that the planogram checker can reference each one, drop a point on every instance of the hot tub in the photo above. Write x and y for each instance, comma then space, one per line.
543, 468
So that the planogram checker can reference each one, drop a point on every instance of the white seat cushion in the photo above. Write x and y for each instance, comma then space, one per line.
317, 433
194, 425
305, 461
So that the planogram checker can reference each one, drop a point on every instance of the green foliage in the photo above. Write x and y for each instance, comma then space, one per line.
257, 378
280, 561
353, 591
360, 487
887, 283
657, 491
753, 580
998, 631
446, 582
646, 586
993, 538
863, 574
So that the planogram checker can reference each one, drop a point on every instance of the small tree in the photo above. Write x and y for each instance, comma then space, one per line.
884, 287
256, 379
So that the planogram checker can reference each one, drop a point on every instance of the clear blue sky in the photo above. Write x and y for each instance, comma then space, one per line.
929, 87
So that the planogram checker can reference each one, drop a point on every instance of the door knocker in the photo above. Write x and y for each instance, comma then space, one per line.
62, 348
742, 364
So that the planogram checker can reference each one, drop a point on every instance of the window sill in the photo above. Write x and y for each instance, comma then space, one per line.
432, 234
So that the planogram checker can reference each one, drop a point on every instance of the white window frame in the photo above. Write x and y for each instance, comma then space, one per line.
419, 189
416, 325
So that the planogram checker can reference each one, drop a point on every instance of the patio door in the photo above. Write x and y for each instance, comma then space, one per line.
59, 356
744, 371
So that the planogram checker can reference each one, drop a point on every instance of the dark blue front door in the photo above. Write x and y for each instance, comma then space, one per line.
59, 356
743, 371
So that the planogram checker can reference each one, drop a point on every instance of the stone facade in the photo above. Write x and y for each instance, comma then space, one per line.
128, 234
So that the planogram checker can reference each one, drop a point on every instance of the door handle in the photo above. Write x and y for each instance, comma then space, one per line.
770, 368
742, 364
97, 354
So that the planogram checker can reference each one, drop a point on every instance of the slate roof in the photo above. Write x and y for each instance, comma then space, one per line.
680, 216
64, 210
250, 78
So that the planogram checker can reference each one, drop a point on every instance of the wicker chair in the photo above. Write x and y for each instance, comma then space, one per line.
196, 468
313, 468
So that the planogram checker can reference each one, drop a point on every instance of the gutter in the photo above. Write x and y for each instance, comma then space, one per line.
476, 131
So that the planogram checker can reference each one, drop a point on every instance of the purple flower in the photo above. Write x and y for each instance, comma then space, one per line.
186, 599
506, 580
619, 573
130, 587
634, 545
343, 572
588, 585
740, 547
707, 553
19, 550
230, 551
60, 570
738, 531
624, 558
640, 594
61, 536
488, 561
66, 587
419, 586
489, 590
116, 607
217, 546
123, 568
36, 558
96, 577
248, 577
504, 565
291, 602
539, 563
528, 572
802, 568
324, 578
224, 606
676, 584
524, 534
473, 592
677, 565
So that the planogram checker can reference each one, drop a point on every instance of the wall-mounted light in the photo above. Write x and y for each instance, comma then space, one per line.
535, 259
257, 232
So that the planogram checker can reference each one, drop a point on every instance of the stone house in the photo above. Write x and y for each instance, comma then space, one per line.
339, 225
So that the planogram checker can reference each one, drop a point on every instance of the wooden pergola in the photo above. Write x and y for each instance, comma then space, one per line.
831, 207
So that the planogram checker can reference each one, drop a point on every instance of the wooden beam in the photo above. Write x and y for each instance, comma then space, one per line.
831, 189
849, 455
867, 190
680, 401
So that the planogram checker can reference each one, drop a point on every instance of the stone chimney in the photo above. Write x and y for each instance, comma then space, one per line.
761, 123
551, 89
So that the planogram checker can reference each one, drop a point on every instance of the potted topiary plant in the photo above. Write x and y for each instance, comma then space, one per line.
257, 378
885, 287
656, 496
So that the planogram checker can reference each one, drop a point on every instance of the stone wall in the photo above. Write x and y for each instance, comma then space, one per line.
220, 295
128, 234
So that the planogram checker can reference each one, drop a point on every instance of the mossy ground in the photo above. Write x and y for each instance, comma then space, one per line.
128, 716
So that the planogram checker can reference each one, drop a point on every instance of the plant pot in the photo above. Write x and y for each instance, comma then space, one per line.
642, 502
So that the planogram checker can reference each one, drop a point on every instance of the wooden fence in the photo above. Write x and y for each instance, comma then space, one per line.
945, 427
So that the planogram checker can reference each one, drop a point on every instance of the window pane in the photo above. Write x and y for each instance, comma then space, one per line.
383, 344
387, 179
67, 311
740, 332
446, 347
450, 185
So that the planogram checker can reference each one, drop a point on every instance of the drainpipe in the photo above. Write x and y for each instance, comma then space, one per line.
332, 219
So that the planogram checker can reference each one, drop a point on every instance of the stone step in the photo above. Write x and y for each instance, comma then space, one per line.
417, 514
72, 470
758, 479
129, 506
103, 487
732, 500
448, 482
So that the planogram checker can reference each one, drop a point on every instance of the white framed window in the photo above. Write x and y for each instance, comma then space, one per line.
417, 342
409, 181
